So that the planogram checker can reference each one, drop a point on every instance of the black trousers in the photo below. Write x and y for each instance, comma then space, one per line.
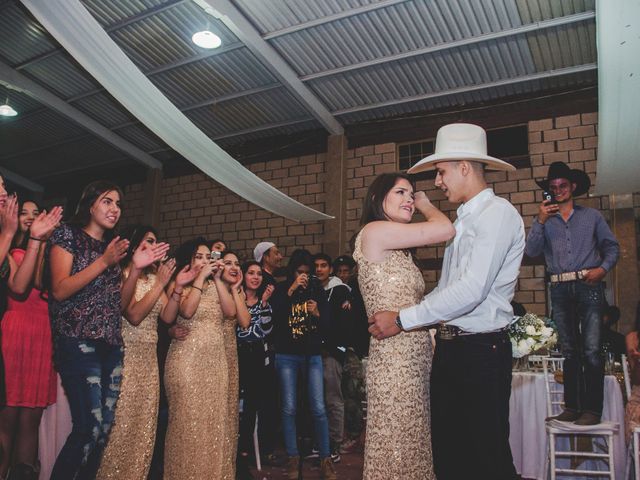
258, 387
470, 389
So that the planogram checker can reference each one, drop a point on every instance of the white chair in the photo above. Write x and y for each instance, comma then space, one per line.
602, 433
633, 450
535, 362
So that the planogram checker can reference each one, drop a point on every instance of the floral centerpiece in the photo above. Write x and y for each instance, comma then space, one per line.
530, 333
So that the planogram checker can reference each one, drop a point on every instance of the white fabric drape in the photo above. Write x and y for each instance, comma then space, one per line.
80, 34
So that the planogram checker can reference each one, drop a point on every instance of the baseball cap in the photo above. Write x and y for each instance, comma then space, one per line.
344, 260
260, 250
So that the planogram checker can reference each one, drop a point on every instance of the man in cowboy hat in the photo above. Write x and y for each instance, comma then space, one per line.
471, 375
579, 249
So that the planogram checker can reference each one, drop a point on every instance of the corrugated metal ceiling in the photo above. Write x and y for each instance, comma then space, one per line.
362, 59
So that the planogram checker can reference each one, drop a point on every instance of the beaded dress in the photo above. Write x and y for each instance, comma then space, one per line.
130, 446
398, 441
197, 385
231, 437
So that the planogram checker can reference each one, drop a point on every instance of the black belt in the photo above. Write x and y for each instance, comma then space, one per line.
449, 332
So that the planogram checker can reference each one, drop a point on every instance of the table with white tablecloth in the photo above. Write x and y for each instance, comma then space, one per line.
528, 409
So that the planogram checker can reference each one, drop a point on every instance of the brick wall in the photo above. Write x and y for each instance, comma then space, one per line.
194, 205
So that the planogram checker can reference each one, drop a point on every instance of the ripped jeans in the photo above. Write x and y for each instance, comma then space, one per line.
91, 371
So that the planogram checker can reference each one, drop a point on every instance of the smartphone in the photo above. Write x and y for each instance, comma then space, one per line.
547, 196
215, 255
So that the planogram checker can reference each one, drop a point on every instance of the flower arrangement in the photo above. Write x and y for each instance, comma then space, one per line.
530, 333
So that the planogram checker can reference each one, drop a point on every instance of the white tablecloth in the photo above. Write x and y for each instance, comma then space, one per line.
528, 410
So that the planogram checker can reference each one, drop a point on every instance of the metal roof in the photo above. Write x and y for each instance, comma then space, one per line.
351, 60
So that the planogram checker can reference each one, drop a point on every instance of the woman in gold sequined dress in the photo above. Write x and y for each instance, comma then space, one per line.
398, 438
198, 376
130, 445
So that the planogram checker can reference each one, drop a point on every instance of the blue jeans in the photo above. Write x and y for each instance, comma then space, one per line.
288, 367
577, 312
91, 371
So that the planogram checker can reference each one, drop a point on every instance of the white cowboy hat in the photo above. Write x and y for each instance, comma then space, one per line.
460, 141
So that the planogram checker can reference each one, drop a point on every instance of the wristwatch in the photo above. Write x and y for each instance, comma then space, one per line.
399, 323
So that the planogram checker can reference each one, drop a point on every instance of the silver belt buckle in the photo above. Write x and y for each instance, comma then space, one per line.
445, 333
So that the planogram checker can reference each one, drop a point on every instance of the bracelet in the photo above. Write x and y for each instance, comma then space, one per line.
197, 288
35, 238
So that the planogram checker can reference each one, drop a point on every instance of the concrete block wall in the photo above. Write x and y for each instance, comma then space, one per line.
194, 205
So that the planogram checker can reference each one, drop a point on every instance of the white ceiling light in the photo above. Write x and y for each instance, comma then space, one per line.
7, 110
206, 39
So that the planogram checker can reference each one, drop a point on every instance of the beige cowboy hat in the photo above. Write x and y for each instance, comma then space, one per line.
460, 141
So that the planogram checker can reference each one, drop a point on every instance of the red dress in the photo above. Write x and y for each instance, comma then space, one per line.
27, 349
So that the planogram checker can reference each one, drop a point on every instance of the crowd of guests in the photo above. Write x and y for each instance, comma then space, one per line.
244, 340
158, 351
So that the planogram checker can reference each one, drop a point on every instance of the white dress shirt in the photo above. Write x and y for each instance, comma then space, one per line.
479, 272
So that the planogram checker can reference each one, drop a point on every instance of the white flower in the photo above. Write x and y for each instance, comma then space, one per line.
530, 330
547, 332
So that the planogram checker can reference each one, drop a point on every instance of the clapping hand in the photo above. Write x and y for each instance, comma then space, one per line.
165, 272
187, 275
115, 251
9, 216
146, 254
45, 223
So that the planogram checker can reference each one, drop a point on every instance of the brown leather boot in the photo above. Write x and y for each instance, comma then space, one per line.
292, 467
327, 470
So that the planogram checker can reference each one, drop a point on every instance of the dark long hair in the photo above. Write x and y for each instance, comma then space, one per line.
135, 234
372, 209
25, 236
90, 194
185, 252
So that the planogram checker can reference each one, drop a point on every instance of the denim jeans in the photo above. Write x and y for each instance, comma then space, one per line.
577, 312
288, 367
91, 373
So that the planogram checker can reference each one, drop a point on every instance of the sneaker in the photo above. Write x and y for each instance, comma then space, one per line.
273, 460
315, 453
588, 418
327, 470
293, 466
566, 416
335, 456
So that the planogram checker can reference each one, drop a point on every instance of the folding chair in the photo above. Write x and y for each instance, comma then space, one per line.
602, 451
633, 449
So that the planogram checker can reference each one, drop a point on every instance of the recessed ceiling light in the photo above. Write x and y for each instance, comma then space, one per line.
7, 110
206, 39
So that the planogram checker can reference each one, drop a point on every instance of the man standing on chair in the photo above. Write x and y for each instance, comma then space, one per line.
579, 249
471, 374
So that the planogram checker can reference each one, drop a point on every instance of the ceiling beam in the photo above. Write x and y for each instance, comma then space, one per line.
235, 21
16, 81
20, 180
471, 88
522, 29
332, 18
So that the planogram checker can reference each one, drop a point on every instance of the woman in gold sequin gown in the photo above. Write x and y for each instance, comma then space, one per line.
198, 378
398, 437
130, 445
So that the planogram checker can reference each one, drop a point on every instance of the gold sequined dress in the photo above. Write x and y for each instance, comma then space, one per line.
130, 445
398, 437
231, 438
197, 383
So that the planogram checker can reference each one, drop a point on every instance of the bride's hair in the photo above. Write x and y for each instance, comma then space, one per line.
372, 209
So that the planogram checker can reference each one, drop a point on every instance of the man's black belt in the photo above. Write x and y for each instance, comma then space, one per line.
449, 332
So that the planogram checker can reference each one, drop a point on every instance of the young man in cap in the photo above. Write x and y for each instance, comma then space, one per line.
270, 258
579, 249
471, 374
